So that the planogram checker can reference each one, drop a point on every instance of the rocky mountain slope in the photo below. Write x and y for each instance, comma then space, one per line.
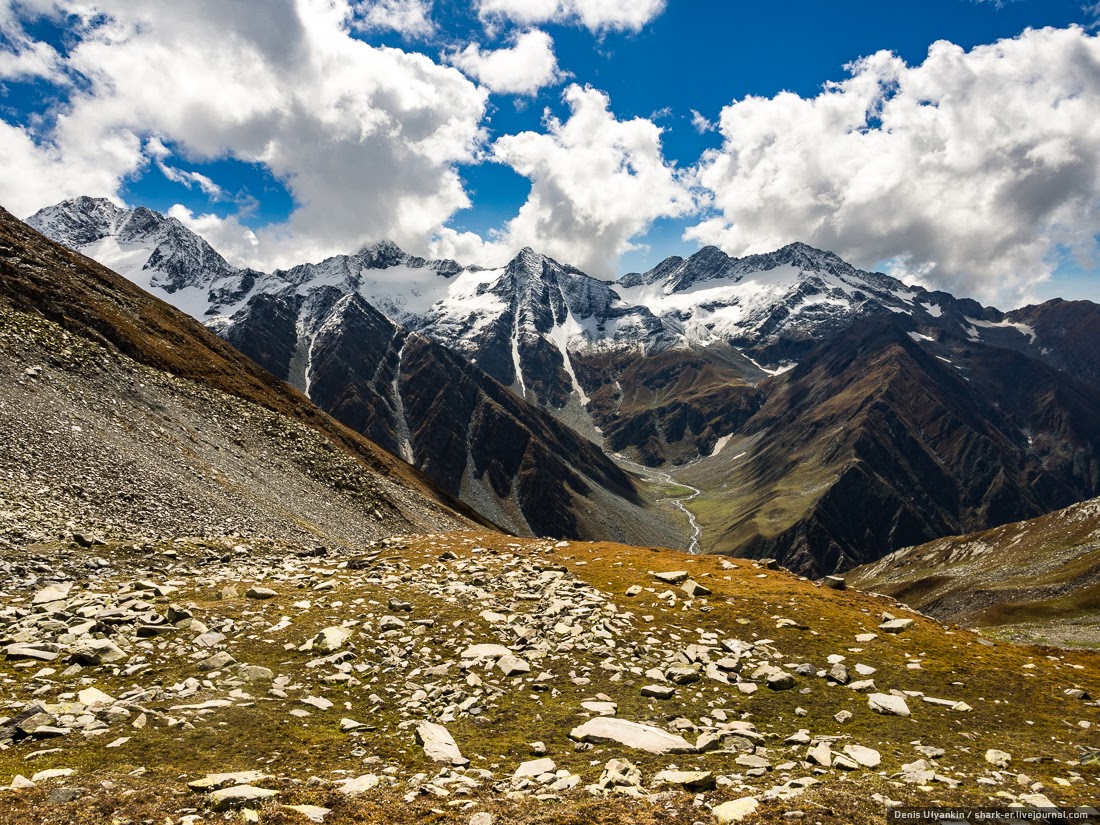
875, 442
476, 678
1041, 577
517, 465
119, 415
312, 326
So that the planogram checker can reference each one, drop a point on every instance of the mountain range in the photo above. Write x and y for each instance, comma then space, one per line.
815, 412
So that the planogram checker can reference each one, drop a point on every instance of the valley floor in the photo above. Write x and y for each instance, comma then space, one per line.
132, 671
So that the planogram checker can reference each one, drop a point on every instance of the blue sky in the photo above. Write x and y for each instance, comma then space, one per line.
499, 168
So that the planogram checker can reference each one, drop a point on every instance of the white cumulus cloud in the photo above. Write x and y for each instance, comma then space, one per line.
969, 172
523, 68
594, 15
596, 183
366, 139
408, 17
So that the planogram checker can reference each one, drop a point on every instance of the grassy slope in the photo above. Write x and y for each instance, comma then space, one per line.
1040, 578
1016, 693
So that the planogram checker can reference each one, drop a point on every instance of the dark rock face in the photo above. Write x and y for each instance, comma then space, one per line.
671, 406
1068, 334
425, 403
904, 448
271, 337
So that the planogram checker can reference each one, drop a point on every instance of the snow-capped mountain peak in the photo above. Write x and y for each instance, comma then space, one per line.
158, 253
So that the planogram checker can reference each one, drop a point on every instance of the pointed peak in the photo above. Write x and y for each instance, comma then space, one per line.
527, 258
799, 252
382, 254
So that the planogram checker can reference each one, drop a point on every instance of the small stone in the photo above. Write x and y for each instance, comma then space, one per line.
313, 813
603, 729
53, 593
63, 796
511, 665
478, 652
835, 582
842, 716
438, 744
213, 781
683, 674
887, 704
672, 577
52, 773
97, 652
694, 781
781, 681
867, 757
390, 623
695, 590
238, 796
30, 651
318, 702
218, 661
359, 785
820, 754
620, 773
998, 759
260, 593
255, 673
534, 768
896, 625
93, 697
736, 810
601, 708
329, 640
658, 691
633, 590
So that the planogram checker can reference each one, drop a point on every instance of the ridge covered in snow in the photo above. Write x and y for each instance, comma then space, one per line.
526, 323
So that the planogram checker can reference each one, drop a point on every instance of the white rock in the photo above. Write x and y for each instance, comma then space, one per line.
358, 785
511, 665
605, 729
735, 810
533, 768
438, 744
887, 704
998, 759
313, 813
329, 640
867, 757
239, 796
896, 625
222, 780
51, 773
485, 652
91, 697
53, 593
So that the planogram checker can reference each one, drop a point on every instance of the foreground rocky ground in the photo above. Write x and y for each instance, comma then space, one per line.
476, 678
